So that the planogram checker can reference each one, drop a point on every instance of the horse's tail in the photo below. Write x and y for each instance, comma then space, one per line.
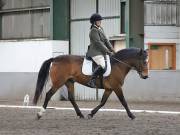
42, 77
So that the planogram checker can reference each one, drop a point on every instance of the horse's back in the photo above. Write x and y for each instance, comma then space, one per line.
69, 64
69, 59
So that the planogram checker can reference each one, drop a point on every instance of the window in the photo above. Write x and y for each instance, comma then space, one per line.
162, 56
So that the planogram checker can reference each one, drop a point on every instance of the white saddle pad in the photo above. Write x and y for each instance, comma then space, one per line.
87, 67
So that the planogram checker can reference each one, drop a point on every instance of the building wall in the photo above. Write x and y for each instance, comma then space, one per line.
161, 86
160, 12
178, 49
11, 4
78, 11
22, 19
20, 64
26, 27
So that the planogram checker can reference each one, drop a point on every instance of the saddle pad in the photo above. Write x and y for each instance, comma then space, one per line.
87, 67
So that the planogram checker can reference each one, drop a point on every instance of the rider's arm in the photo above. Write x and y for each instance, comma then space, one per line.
107, 43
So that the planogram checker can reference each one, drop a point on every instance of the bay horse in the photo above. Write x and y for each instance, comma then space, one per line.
66, 69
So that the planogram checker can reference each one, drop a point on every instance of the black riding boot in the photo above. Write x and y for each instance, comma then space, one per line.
97, 71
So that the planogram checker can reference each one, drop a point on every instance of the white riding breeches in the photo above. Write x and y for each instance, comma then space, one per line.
99, 59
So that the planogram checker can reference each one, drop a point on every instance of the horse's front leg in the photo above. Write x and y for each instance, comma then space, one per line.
106, 94
70, 86
120, 96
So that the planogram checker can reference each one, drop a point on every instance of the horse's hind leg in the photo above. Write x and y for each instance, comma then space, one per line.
70, 86
106, 94
49, 94
121, 98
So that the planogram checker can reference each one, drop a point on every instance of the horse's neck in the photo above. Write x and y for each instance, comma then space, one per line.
122, 71
126, 70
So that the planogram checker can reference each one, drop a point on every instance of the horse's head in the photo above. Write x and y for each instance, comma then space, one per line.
141, 64
133, 58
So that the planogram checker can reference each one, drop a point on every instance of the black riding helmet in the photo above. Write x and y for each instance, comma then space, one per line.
95, 17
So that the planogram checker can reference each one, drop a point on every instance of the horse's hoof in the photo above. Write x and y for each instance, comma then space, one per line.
132, 117
81, 117
38, 116
89, 116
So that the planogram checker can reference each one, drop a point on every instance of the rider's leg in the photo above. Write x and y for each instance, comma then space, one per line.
100, 61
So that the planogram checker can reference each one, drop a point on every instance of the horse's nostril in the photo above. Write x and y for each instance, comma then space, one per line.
145, 77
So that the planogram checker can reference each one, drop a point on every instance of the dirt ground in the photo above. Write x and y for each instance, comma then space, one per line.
15, 121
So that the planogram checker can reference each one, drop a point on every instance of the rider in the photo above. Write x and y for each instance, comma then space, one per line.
98, 48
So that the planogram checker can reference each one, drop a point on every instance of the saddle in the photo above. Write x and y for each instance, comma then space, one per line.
88, 66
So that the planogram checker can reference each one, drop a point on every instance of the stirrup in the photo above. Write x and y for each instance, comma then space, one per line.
92, 83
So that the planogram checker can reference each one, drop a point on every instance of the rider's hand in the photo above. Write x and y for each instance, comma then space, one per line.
113, 51
110, 53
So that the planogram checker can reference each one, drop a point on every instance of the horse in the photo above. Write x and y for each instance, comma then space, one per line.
66, 70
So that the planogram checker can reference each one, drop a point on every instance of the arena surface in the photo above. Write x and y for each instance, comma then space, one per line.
21, 121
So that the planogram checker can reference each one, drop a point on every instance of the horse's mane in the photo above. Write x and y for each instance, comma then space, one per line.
125, 54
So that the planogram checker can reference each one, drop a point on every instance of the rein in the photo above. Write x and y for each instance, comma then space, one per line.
139, 70
123, 63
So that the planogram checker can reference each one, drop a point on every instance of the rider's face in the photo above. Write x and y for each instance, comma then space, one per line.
98, 23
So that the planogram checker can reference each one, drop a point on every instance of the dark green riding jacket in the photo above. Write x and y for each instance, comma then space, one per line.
99, 44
